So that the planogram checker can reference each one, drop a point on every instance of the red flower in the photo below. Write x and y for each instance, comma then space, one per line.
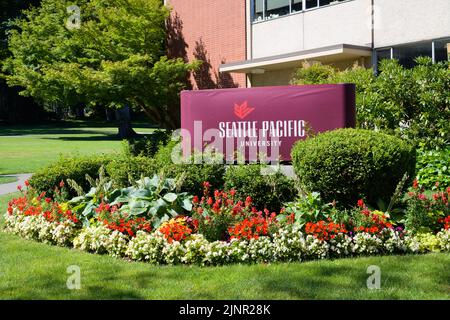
415, 184
27, 183
61, 184
248, 201
195, 200
325, 230
361, 203
253, 227
176, 229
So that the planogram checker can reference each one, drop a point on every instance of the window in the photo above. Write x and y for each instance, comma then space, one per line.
312, 4
407, 53
270, 9
442, 50
258, 10
327, 2
383, 54
297, 5
276, 8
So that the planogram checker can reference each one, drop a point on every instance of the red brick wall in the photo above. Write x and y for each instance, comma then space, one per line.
209, 30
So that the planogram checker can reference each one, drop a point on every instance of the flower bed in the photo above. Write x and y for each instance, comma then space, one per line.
220, 230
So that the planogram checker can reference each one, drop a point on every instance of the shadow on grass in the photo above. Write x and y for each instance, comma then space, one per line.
66, 127
335, 281
97, 137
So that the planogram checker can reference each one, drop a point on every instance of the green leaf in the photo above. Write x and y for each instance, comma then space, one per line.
170, 197
187, 204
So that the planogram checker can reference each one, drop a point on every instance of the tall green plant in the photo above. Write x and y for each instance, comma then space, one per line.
411, 103
111, 54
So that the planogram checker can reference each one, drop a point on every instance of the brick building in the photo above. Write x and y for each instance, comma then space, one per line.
262, 42
210, 31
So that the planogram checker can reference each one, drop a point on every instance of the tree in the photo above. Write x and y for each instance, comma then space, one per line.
12, 106
100, 52
412, 103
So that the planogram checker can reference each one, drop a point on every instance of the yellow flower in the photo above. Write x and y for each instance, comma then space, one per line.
35, 201
64, 206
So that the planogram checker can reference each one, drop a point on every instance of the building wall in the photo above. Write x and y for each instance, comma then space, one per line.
213, 31
403, 21
272, 78
283, 77
348, 22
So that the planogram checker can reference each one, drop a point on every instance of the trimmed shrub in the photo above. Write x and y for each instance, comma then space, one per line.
433, 166
194, 174
47, 178
266, 190
348, 164
416, 96
148, 145
125, 170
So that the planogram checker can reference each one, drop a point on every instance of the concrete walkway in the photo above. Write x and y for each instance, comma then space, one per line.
12, 187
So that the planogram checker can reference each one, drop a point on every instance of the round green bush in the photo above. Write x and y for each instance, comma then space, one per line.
127, 169
348, 164
194, 174
76, 168
269, 191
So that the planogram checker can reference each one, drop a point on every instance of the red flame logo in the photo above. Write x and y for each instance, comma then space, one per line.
243, 110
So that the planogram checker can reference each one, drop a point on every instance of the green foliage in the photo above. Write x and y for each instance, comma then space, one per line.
194, 174
315, 73
155, 199
308, 208
411, 103
47, 178
433, 166
148, 145
115, 58
101, 189
425, 212
266, 187
428, 242
348, 164
126, 169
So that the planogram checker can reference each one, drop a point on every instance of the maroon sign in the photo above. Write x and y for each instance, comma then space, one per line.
263, 120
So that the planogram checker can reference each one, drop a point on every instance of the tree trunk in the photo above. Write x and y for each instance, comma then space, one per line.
124, 123
110, 115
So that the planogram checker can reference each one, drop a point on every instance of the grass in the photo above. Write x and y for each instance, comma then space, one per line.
4, 180
25, 148
31, 270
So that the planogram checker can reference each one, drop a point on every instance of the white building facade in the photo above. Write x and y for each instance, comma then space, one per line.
282, 34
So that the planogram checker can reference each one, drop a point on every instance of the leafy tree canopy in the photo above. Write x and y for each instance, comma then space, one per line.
412, 103
100, 52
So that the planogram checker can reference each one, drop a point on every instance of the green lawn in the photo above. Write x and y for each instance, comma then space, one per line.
30, 270
7, 179
23, 149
